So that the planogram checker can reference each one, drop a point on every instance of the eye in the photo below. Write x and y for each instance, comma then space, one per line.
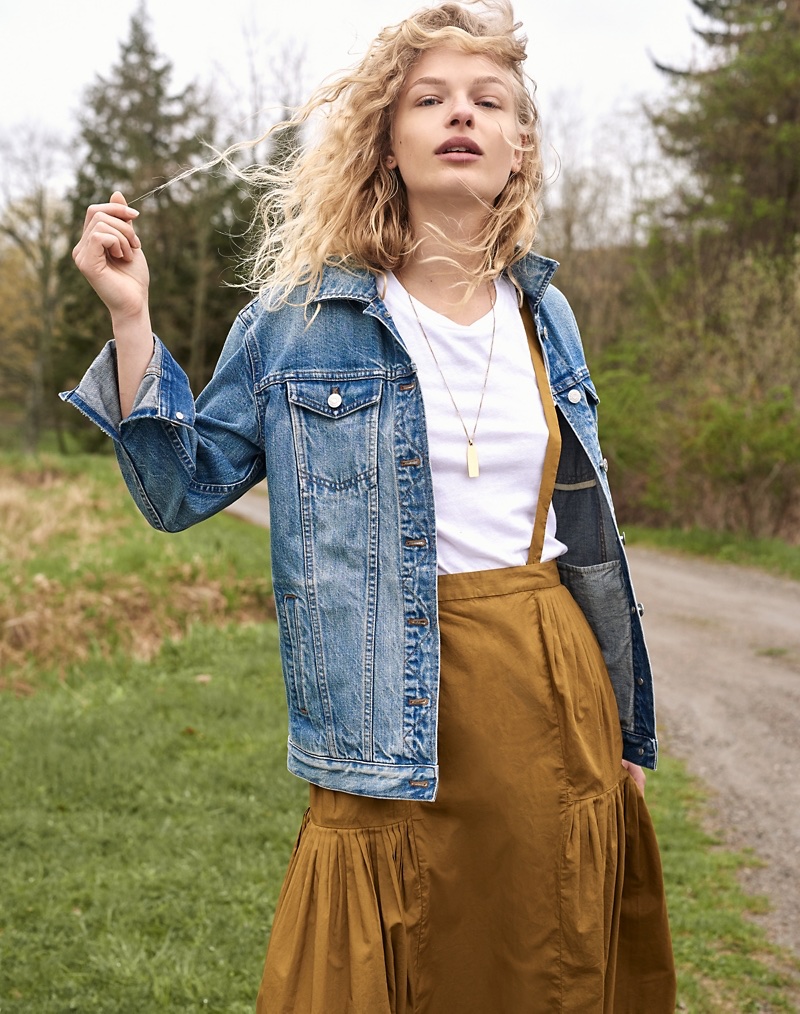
428, 100
489, 103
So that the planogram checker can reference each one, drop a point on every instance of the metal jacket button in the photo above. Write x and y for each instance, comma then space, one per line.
574, 396
334, 400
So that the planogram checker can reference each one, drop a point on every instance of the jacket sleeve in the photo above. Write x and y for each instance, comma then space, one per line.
182, 461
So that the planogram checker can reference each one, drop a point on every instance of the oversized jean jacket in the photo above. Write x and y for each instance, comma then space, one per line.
353, 525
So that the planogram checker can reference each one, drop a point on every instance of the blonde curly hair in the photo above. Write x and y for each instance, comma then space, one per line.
337, 203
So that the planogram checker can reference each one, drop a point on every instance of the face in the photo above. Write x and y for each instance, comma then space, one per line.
454, 129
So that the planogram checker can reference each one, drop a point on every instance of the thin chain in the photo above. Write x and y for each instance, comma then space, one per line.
470, 439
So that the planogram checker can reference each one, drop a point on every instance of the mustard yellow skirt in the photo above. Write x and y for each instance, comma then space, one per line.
532, 884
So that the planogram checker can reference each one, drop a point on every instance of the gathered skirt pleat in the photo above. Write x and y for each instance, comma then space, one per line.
532, 884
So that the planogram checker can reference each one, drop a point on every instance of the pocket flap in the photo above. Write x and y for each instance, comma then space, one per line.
335, 398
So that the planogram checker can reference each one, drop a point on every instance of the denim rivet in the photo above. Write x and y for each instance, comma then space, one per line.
179, 415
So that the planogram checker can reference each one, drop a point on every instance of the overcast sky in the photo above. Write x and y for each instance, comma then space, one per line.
594, 51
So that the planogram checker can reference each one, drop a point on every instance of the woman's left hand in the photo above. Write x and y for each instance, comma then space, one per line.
636, 773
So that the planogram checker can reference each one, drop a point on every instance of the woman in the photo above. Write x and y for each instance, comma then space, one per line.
468, 687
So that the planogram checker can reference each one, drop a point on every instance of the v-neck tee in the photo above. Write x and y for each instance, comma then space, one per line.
486, 522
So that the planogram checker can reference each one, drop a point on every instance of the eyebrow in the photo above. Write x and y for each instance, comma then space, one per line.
488, 79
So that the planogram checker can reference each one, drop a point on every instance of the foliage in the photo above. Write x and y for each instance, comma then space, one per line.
136, 134
735, 122
18, 321
693, 334
32, 231
700, 415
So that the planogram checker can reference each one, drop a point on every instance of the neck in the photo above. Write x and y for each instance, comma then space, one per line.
438, 272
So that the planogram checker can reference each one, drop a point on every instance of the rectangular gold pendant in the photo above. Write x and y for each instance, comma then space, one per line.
472, 461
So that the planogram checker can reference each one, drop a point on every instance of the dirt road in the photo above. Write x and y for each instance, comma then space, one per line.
725, 643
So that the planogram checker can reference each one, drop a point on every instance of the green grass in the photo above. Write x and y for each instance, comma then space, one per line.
771, 555
146, 821
146, 816
724, 960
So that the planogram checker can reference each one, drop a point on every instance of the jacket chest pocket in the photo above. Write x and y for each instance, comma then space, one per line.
335, 428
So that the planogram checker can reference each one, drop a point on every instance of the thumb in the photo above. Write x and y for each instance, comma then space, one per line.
117, 198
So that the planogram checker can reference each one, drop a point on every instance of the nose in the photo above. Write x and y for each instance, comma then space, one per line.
461, 113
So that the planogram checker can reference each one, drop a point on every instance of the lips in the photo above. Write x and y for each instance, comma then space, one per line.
459, 146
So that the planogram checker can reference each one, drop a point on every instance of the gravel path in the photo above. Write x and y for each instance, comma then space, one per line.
725, 644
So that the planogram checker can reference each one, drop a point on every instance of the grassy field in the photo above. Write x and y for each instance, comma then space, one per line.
146, 816
771, 555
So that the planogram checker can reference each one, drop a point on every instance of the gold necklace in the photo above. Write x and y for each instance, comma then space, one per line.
472, 452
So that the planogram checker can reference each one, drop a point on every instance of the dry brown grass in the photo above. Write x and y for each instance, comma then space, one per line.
52, 622
39, 507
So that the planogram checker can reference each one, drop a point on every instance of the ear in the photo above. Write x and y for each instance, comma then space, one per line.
516, 161
389, 160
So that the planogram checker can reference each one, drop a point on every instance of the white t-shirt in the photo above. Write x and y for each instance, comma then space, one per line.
486, 522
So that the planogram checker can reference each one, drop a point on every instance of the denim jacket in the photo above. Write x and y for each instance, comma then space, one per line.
333, 415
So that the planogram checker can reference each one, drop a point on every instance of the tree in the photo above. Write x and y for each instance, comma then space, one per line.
135, 135
33, 227
735, 123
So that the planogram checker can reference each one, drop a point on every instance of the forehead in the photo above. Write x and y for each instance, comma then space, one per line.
448, 64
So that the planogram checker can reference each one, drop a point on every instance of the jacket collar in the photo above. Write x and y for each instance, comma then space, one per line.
533, 273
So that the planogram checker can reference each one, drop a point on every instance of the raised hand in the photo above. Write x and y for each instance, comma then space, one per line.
109, 254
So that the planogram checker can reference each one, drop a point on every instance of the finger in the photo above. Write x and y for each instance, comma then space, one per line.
104, 221
637, 773
117, 208
115, 244
91, 257
91, 251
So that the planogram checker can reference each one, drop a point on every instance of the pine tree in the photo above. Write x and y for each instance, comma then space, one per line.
736, 125
136, 134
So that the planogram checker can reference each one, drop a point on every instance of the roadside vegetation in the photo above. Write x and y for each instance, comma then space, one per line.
771, 555
146, 814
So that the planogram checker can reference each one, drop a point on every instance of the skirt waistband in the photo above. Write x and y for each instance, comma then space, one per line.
499, 581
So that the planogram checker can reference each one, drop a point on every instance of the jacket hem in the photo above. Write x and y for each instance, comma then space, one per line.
361, 778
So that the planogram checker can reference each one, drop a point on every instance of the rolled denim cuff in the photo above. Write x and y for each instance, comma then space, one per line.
164, 392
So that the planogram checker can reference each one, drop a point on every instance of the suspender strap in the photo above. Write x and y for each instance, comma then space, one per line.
553, 452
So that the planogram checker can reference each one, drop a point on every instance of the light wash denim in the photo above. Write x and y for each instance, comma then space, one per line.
332, 414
